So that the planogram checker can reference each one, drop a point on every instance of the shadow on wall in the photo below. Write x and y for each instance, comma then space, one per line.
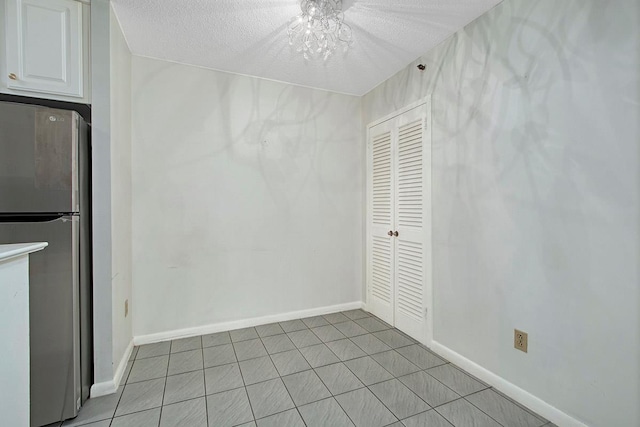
535, 112
258, 177
273, 132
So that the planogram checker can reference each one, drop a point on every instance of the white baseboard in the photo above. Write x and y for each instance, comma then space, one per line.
102, 389
245, 323
122, 366
521, 396
111, 386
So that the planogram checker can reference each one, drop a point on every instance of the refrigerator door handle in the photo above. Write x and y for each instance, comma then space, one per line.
7, 218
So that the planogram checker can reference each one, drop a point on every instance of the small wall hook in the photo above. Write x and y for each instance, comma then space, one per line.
422, 67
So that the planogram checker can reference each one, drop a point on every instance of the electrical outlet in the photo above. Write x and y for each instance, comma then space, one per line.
520, 340
126, 307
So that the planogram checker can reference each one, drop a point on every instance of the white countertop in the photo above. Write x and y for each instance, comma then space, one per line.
17, 249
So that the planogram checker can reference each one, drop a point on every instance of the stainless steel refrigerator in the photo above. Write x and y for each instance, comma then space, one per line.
45, 197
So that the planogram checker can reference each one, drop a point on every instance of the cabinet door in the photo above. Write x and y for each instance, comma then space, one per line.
413, 171
44, 46
380, 242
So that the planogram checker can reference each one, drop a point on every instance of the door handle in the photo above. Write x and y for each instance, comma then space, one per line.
390, 233
395, 233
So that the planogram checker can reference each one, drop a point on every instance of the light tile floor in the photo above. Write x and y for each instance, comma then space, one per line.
341, 369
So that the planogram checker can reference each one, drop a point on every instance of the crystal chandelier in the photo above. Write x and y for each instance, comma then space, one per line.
320, 29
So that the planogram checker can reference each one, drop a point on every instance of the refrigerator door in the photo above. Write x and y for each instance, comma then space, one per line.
38, 159
53, 314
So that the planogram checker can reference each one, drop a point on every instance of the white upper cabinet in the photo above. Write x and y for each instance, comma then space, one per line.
44, 47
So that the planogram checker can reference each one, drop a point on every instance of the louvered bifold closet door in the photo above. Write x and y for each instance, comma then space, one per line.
413, 169
381, 222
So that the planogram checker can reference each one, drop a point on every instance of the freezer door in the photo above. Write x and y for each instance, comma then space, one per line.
38, 159
53, 316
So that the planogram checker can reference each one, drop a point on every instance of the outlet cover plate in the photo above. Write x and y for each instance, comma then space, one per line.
520, 340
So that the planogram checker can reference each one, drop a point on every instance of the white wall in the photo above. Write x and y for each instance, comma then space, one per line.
111, 195
121, 217
536, 184
101, 195
247, 197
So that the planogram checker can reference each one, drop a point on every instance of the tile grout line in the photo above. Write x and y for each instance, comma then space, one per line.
242, 387
336, 400
461, 396
126, 415
305, 370
331, 393
305, 357
164, 389
383, 404
246, 392
443, 384
204, 381
313, 369
120, 398
167, 375
278, 352
370, 354
276, 413
434, 410
323, 341
499, 393
285, 387
123, 388
397, 378
367, 387
299, 413
345, 411
332, 396
481, 410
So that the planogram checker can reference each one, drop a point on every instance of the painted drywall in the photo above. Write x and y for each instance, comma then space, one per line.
101, 193
121, 216
536, 220
247, 197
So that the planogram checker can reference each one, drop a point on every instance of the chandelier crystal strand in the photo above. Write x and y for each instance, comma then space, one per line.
319, 30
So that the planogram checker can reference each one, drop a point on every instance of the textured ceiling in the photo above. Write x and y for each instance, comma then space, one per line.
249, 37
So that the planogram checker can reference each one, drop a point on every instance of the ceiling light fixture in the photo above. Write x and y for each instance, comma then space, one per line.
320, 29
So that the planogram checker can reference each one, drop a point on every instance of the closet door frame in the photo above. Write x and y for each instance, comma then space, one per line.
428, 224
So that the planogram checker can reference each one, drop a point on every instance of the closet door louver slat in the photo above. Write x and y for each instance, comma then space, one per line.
382, 179
410, 279
380, 254
381, 273
410, 175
